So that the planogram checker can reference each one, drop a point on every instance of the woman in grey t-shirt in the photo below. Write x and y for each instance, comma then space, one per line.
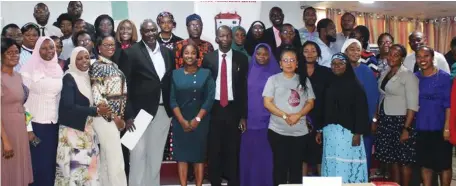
289, 97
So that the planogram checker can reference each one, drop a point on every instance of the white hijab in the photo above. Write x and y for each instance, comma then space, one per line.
348, 42
81, 78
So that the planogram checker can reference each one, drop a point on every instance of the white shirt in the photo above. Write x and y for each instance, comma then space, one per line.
44, 98
67, 48
340, 40
439, 61
50, 30
229, 74
158, 62
326, 53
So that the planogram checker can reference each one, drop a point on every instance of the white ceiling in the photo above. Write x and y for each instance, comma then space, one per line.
411, 9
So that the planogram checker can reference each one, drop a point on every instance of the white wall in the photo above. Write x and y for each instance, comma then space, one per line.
21, 12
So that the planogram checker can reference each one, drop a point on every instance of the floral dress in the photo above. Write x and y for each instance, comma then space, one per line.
77, 157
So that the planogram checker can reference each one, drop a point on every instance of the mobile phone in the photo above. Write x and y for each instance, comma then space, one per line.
35, 141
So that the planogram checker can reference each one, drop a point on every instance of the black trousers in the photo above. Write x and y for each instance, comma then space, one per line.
223, 144
287, 153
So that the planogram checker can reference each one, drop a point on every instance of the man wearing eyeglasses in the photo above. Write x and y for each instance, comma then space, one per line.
194, 29
287, 36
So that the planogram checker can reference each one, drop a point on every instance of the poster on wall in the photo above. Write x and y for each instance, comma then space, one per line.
228, 19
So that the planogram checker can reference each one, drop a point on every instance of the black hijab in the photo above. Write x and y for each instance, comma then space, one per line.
250, 41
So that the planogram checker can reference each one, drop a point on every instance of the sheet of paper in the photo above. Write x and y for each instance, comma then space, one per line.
142, 121
319, 181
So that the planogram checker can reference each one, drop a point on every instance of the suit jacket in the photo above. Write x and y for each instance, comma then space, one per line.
118, 52
239, 77
401, 92
74, 108
270, 40
144, 85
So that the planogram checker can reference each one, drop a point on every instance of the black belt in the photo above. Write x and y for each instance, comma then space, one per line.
161, 104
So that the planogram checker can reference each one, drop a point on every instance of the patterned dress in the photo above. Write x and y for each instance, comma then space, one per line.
77, 157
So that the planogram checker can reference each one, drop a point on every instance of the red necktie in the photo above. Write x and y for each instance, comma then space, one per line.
223, 84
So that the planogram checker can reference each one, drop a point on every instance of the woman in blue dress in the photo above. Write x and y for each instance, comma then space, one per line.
344, 124
192, 95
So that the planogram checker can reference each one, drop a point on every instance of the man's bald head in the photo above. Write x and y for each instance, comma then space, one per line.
416, 39
223, 27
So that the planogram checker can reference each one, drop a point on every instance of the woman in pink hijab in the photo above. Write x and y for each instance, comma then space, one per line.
43, 77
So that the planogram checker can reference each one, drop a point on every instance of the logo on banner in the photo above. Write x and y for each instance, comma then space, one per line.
228, 19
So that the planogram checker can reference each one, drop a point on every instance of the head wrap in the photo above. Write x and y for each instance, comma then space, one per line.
257, 77
165, 14
37, 68
81, 78
235, 46
192, 18
340, 56
250, 41
348, 42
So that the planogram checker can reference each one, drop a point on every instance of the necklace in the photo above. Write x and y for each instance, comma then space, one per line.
164, 40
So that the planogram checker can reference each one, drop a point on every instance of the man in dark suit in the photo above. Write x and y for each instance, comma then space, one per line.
229, 112
272, 35
147, 67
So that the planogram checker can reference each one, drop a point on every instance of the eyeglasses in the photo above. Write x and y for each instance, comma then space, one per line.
108, 45
84, 42
12, 53
335, 64
258, 29
290, 33
288, 61
194, 26
385, 42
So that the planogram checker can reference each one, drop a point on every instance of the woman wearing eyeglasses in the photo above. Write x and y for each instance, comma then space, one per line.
254, 36
109, 87
289, 97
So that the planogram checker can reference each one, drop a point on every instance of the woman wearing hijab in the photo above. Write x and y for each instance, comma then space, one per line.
239, 40
254, 36
256, 155
16, 161
77, 151
42, 75
345, 122
165, 21
352, 49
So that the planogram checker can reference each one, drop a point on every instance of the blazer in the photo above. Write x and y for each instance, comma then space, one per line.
118, 52
144, 85
270, 40
74, 108
239, 74
401, 92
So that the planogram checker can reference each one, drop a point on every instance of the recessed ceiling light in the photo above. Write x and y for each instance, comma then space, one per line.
367, 1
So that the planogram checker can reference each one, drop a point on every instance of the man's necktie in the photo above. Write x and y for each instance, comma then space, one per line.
223, 83
42, 31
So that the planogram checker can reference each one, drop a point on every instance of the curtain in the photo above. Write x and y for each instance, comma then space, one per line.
400, 29
440, 32
374, 22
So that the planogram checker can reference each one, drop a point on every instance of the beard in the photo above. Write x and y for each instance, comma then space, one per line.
331, 38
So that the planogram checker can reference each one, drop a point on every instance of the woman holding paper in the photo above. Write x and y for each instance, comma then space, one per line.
109, 87
77, 144
192, 95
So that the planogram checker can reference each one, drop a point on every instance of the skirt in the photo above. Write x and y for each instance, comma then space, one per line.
77, 157
388, 148
340, 158
433, 152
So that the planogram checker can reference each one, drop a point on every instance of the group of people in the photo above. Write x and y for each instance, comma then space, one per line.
269, 106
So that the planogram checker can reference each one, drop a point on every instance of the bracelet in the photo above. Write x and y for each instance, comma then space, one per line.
447, 130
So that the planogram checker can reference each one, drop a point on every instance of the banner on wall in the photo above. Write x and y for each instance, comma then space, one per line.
228, 19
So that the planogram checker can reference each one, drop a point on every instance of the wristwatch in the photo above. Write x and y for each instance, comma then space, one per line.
374, 119
198, 119
284, 117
